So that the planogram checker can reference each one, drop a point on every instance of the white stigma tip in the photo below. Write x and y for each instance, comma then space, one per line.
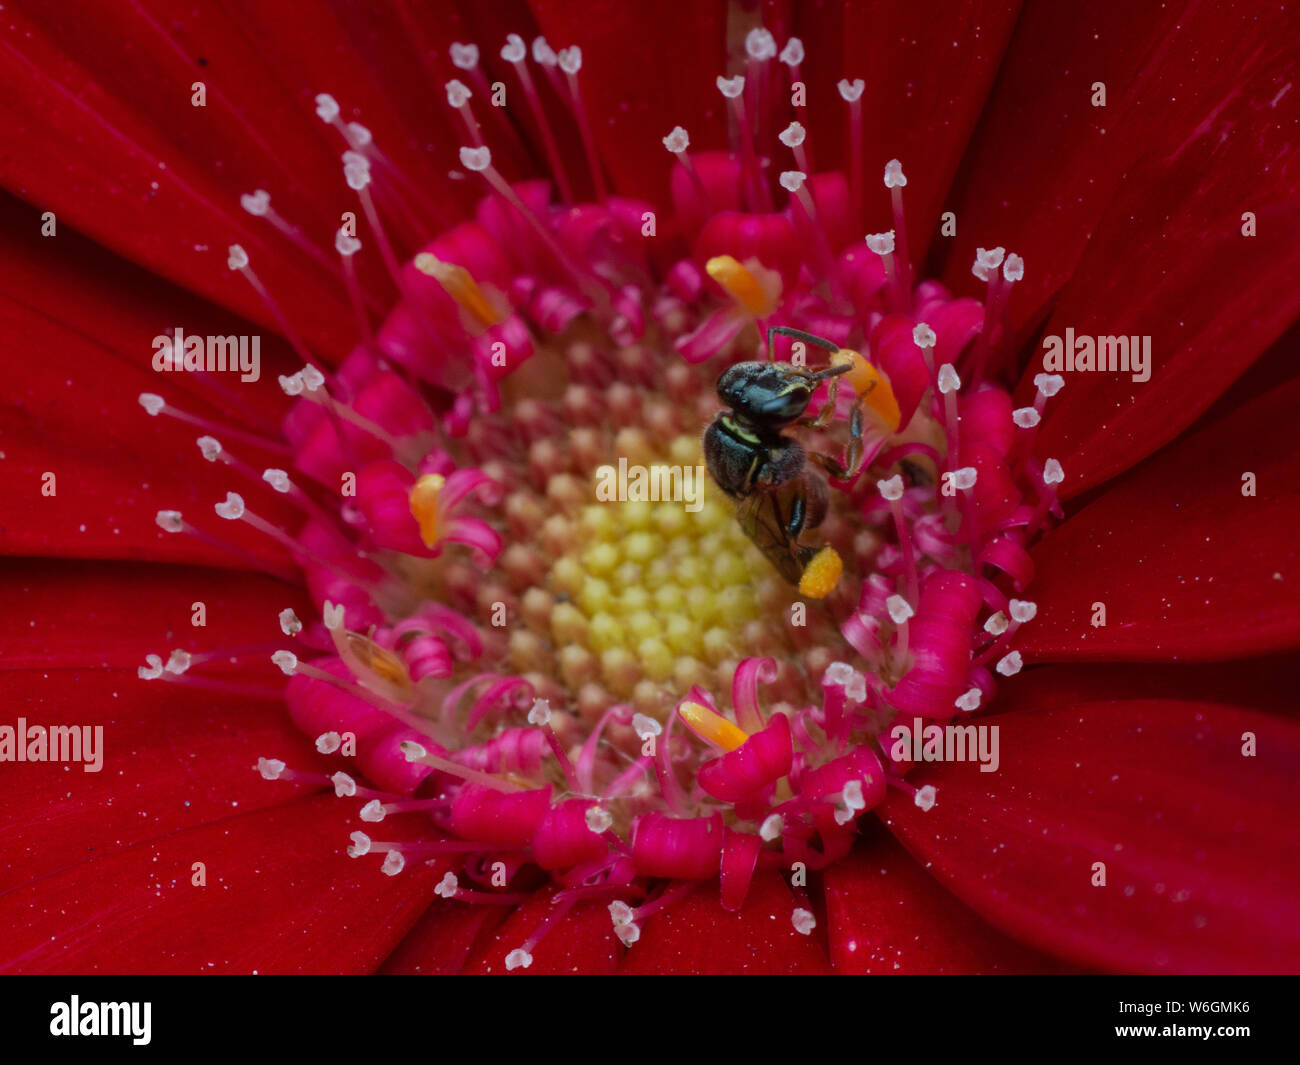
760, 44
232, 509
412, 751
853, 683
980, 271
803, 921
1009, 665
891, 489
1026, 417
996, 624
476, 159
1014, 268
793, 135
152, 670
518, 959
570, 59
1022, 610
621, 913
292, 385
923, 335
965, 477
458, 93
270, 768
628, 933
373, 812
792, 180
210, 447
356, 176
1049, 383
599, 819
169, 521
277, 479
543, 53
540, 714
287, 661
312, 378
256, 203
327, 108
360, 845
358, 135
731, 87
328, 742
515, 51
851, 802
178, 662
925, 797
894, 176
289, 623
771, 828
345, 243
899, 609
881, 243
646, 726
153, 404
990, 259
948, 379
1052, 472
678, 140
969, 701
447, 887
333, 616
394, 863
464, 56
793, 53
236, 257
850, 91
345, 787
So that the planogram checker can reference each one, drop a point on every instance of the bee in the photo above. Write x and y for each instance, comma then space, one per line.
779, 495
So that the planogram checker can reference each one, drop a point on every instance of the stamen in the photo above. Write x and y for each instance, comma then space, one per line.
851, 93
711, 727
744, 287
895, 180
460, 285
570, 61
155, 405
458, 97
514, 53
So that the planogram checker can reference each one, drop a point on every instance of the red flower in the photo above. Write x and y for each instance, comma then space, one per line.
1139, 817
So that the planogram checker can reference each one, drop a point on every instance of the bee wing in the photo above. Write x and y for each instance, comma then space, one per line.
760, 518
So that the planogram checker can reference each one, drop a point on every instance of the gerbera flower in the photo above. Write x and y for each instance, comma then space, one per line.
528, 729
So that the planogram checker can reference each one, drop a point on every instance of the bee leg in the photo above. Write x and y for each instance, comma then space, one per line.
795, 334
853, 458
808, 510
828, 408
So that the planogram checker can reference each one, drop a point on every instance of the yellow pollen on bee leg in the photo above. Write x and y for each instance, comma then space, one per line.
744, 287
460, 285
712, 726
424, 506
871, 385
822, 574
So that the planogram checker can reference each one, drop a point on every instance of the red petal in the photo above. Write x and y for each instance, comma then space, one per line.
888, 915
1186, 566
1200, 876
174, 758
581, 942
441, 941
43, 596
1168, 259
928, 69
281, 896
697, 936
643, 72
116, 150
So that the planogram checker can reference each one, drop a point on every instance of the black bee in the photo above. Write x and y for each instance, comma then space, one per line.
779, 496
